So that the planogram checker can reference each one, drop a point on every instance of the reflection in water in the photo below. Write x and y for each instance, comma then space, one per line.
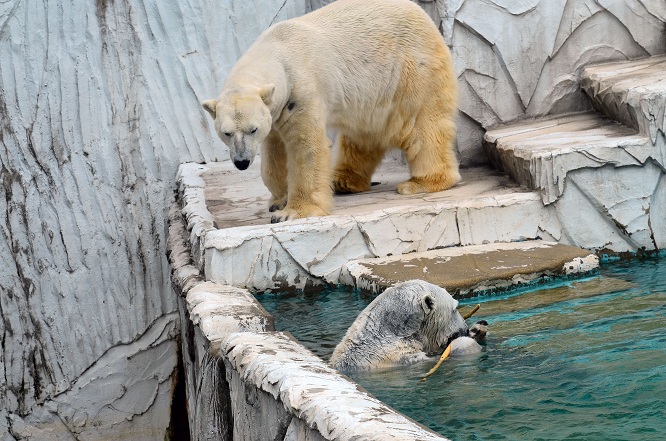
585, 360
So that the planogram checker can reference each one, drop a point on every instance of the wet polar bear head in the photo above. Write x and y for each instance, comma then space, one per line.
242, 120
402, 325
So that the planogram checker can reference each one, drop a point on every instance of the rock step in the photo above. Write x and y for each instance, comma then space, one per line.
632, 92
234, 243
473, 270
540, 153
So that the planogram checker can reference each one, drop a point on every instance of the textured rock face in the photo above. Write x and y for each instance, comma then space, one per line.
100, 103
523, 58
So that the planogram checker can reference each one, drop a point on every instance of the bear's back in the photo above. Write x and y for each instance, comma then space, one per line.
371, 64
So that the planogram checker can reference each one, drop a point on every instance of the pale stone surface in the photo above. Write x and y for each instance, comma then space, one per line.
281, 368
128, 383
100, 104
603, 180
633, 93
540, 154
615, 209
485, 207
220, 310
474, 269
237, 198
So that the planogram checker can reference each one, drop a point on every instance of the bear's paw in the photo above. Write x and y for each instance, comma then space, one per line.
288, 213
349, 182
276, 205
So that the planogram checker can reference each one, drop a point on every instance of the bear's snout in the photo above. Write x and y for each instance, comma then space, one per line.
242, 164
462, 332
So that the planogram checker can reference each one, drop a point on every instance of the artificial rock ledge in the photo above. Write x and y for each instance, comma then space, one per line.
245, 381
475, 270
233, 242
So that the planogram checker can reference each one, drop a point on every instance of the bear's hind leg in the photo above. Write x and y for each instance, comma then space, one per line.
355, 165
431, 157
274, 170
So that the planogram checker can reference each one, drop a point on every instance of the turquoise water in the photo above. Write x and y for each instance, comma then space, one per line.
580, 361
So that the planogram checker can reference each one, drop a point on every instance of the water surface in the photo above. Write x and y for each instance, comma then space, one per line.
579, 361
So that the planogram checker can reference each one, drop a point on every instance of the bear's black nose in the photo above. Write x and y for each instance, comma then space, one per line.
242, 165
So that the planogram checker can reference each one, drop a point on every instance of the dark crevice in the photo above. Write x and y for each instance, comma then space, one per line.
278, 12
179, 427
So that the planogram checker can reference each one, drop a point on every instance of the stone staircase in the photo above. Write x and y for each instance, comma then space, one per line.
602, 173
540, 154
631, 93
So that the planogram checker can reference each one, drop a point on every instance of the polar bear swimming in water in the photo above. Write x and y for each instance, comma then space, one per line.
402, 325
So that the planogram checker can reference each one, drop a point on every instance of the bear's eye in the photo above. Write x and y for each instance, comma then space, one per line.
228, 134
253, 130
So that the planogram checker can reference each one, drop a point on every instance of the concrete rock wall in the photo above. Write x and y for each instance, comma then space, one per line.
99, 104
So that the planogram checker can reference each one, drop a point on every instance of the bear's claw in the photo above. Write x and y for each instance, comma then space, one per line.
277, 206
349, 186
284, 215
287, 213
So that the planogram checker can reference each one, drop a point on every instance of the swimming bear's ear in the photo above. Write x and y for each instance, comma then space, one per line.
428, 303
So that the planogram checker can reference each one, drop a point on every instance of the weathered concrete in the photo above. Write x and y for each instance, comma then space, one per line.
238, 198
485, 207
306, 387
539, 154
100, 104
474, 270
604, 180
245, 383
633, 93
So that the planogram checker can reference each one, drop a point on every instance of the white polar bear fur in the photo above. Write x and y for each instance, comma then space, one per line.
402, 325
377, 71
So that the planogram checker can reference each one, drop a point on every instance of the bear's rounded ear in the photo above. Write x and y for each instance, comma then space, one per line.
266, 93
428, 303
210, 106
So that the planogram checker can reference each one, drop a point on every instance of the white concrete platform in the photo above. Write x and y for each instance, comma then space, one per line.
234, 243
239, 198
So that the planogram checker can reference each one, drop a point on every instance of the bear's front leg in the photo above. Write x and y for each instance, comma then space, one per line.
274, 170
308, 165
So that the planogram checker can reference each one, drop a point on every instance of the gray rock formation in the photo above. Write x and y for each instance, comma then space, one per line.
100, 103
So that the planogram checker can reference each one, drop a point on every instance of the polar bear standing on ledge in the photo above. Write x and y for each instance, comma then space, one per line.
377, 71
